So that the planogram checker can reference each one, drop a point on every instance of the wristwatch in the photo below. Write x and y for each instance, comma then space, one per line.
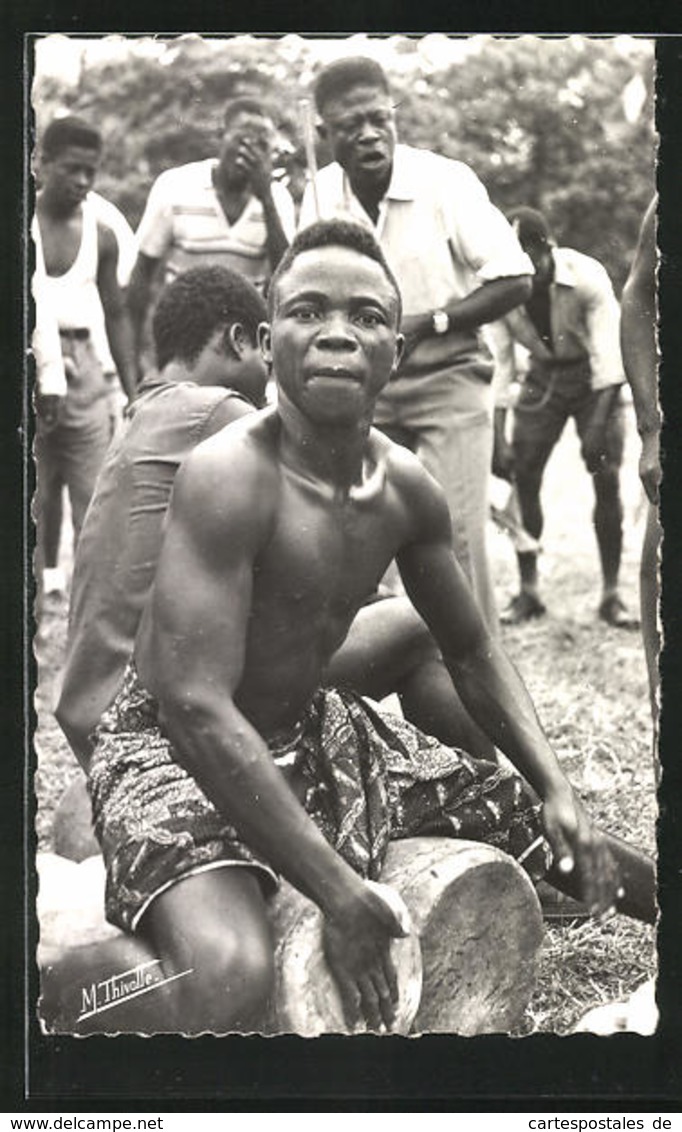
440, 322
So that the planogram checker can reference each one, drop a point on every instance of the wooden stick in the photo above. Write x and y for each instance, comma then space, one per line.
308, 129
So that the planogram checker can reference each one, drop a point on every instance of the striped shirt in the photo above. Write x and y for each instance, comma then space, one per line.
185, 225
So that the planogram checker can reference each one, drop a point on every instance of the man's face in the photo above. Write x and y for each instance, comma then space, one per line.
333, 340
360, 128
246, 126
70, 175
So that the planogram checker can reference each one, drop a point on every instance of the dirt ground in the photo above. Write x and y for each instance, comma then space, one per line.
589, 685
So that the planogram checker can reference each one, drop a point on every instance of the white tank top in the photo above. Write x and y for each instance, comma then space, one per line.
74, 296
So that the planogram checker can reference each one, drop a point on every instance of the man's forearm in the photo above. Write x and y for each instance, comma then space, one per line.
638, 344
276, 242
489, 302
497, 699
138, 300
233, 766
120, 336
500, 424
486, 304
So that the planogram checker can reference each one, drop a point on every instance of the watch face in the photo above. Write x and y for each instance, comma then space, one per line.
441, 322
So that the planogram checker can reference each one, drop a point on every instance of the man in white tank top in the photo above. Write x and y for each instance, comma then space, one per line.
77, 255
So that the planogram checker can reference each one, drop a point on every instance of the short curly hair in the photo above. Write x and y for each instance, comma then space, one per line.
332, 234
195, 304
66, 131
343, 75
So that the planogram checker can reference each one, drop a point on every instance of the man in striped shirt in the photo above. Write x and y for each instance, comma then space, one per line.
224, 210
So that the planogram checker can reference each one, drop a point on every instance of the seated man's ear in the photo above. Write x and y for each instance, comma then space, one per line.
264, 341
236, 340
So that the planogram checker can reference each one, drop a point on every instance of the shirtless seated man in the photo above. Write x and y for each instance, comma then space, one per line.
225, 759
210, 372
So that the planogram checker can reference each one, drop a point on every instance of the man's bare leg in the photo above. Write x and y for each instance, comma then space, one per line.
530, 460
78, 990
215, 926
389, 649
207, 944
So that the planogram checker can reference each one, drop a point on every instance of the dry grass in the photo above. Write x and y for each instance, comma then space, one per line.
588, 682
589, 685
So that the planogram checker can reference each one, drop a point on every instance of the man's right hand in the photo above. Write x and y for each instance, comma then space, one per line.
257, 164
48, 408
650, 465
357, 949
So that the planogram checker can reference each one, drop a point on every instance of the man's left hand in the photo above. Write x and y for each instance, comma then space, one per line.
580, 851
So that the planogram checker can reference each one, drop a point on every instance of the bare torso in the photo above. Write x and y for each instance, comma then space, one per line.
61, 240
319, 553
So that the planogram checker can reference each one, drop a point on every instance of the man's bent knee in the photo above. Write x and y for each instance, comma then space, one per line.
214, 938
229, 987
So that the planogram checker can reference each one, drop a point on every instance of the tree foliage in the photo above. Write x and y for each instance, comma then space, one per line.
542, 121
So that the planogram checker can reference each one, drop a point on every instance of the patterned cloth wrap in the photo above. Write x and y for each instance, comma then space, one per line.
368, 777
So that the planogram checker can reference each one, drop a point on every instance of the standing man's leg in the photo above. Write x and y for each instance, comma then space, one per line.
87, 424
453, 421
608, 513
84, 454
47, 511
539, 419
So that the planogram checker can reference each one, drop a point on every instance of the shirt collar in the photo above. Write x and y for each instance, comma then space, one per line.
404, 178
403, 184
563, 269
250, 205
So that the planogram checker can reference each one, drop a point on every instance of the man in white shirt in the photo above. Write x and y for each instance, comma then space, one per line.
225, 210
459, 265
570, 328
77, 262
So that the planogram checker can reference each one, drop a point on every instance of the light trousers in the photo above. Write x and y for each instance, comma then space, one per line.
445, 417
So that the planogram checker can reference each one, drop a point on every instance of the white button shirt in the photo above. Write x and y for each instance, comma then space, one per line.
585, 321
440, 233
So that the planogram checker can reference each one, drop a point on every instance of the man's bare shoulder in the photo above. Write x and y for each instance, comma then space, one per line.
253, 436
106, 237
233, 476
417, 490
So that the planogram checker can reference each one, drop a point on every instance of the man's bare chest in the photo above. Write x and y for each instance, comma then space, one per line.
61, 243
326, 555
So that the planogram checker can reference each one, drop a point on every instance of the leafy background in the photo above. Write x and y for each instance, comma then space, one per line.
564, 124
